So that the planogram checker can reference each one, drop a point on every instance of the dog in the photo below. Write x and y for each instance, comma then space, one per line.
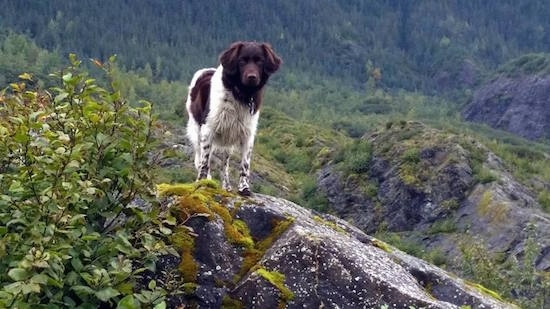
223, 105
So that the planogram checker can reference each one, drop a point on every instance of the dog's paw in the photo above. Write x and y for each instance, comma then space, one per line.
245, 192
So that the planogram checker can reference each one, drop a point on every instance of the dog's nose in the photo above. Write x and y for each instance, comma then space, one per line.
252, 77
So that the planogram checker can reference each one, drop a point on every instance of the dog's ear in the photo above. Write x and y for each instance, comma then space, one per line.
229, 58
272, 61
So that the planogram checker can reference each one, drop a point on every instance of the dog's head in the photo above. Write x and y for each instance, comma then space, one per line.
252, 62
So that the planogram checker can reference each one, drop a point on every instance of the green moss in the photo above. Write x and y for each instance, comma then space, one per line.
204, 198
189, 288
230, 303
164, 189
201, 198
484, 290
277, 280
381, 245
330, 224
252, 255
185, 244
238, 235
193, 198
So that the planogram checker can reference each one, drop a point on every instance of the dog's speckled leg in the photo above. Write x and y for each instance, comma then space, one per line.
206, 149
226, 184
244, 186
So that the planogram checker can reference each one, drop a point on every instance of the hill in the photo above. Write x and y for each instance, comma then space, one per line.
447, 198
415, 45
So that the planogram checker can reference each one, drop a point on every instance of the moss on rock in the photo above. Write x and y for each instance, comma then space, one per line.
278, 281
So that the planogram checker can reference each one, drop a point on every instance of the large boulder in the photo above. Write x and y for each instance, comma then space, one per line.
266, 252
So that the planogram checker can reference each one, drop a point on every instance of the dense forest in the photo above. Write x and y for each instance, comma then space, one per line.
412, 45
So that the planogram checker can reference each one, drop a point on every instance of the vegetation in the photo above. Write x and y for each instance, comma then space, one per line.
74, 160
410, 45
519, 280
528, 64
278, 281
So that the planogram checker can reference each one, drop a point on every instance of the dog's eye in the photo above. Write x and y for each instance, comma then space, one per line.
242, 62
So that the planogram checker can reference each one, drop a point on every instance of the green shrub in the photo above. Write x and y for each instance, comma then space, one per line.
356, 157
312, 197
512, 279
443, 226
411, 155
73, 158
544, 200
484, 175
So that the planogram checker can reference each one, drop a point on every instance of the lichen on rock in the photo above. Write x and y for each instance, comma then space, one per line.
279, 255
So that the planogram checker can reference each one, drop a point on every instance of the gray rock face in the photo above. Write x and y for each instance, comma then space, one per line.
519, 105
320, 262
502, 214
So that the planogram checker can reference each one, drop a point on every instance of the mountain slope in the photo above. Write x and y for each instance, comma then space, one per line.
447, 198
423, 45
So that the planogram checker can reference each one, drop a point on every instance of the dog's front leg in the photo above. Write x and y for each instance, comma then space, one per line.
226, 184
246, 153
205, 140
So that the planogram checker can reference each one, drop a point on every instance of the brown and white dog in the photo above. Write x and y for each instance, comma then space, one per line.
223, 104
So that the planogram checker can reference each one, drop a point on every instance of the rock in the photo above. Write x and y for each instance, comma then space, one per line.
436, 202
305, 260
520, 105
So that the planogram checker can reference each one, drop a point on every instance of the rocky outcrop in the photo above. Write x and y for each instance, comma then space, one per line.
520, 105
266, 252
441, 191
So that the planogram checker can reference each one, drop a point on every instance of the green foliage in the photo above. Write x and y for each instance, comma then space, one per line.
527, 65
544, 200
355, 157
312, 196
73, 159
19, 54
443, 226
483, 175
511, 279
411, 155
425, 45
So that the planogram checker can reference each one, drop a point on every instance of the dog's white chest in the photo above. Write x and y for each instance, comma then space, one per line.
231, 121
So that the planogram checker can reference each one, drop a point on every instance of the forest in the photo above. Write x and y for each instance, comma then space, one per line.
350, 68
416, 45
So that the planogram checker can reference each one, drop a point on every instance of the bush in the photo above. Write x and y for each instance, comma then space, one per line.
355, 157
544, 200
73, 159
